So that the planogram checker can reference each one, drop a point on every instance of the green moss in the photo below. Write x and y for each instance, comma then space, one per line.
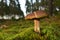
23, 30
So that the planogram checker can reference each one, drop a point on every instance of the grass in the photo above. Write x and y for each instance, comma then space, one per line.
23, 30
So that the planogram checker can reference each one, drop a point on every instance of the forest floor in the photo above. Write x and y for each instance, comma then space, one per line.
23, 29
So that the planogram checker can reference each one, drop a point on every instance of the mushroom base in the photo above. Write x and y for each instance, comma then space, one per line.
36, 25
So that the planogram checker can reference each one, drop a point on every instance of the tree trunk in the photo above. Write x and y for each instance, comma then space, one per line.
51, 7
36, 26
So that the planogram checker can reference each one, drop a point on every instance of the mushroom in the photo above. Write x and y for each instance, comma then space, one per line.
36, 15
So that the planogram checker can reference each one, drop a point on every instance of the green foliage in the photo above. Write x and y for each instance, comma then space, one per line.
57, 3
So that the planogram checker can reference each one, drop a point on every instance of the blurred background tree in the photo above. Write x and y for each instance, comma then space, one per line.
15, 7
51, 6
28, 6
12, 9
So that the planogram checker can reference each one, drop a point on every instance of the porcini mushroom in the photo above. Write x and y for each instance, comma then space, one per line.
36, 16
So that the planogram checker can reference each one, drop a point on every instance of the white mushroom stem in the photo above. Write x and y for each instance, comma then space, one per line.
36, 25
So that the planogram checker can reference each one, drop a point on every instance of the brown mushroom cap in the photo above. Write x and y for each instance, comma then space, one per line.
36, 14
